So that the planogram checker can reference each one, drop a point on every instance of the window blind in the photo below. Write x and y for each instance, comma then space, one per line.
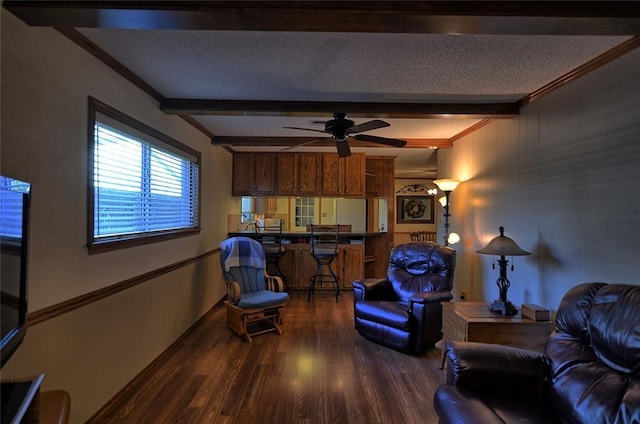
140, 186
12, 198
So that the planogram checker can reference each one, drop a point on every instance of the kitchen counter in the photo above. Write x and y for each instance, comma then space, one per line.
364, 254
249, 233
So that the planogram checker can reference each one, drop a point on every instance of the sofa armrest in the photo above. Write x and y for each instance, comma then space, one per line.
373, 289
495, 369
429, 297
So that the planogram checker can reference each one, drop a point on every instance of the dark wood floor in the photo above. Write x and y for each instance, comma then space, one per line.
320, 370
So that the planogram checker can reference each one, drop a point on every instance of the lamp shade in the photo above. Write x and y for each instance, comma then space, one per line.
446, 184
503, 246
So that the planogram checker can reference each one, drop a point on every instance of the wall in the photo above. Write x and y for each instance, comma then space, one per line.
93, 351
401, 231
563, 179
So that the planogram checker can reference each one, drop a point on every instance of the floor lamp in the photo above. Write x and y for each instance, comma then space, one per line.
446, 186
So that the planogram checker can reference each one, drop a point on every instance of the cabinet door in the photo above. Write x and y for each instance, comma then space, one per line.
287, 174
351, 265
306, 267
310, 174
354, 175
287, 265
332, 177
244, 165
343, 176
265, 173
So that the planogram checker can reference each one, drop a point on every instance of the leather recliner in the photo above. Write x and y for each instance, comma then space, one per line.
403, 311
589, 373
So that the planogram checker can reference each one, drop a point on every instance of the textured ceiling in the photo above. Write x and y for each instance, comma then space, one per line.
438, 54
347, 67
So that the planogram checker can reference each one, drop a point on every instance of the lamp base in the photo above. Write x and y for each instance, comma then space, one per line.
505, 308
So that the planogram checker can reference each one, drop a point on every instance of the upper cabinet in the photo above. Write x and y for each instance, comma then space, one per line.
380, 177
343, 176
254, 174
299, 174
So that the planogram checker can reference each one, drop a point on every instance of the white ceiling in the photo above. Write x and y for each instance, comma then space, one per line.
372, 67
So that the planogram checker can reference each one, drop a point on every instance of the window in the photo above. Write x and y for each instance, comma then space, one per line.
305, 211
143, 185
246, 209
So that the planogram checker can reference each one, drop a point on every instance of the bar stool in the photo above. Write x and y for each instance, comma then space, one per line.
272, 245
324, 249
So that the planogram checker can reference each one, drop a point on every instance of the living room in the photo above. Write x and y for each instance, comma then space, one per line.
560, 171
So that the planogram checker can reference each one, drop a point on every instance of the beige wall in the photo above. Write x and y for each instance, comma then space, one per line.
563, 179
92, 352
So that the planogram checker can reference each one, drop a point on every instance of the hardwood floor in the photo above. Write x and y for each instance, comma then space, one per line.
320, 370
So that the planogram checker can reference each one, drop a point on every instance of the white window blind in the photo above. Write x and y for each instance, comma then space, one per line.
141, 185
12, 198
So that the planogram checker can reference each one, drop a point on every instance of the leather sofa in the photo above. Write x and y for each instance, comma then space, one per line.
589, 373
403, 311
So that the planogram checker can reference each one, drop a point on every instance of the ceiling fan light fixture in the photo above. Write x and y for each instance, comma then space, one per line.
341, 128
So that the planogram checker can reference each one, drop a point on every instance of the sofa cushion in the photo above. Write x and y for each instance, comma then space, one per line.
458, 405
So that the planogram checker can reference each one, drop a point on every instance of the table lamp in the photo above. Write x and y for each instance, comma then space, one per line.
503, 246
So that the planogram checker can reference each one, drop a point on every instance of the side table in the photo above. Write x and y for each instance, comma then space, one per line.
474, 322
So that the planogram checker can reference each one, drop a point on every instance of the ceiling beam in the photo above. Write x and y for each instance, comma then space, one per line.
428, 17
308, 108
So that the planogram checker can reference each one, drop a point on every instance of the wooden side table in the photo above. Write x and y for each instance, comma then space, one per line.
473, 322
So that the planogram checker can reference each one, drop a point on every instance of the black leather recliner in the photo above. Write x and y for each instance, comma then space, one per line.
590, 372
403, 311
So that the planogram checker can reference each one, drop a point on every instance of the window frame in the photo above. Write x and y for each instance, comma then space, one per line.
116, 242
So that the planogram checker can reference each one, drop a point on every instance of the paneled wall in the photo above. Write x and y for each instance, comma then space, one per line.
563, 178
93, 351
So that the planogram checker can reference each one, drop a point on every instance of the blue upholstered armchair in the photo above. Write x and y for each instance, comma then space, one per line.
254, 299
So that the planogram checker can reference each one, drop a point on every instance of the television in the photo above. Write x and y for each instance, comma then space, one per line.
15, 198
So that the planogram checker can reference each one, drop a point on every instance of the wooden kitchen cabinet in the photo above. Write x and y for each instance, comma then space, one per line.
299, 174
343, 176
298, 266
350, 264
254, 174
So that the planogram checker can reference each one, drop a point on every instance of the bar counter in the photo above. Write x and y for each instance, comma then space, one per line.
361, 254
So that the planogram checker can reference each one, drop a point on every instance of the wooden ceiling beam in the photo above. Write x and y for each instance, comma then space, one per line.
429, 17
307, 108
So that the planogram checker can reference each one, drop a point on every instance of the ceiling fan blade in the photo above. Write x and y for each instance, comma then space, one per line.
305, 129
394, 142
294, 146
368, 126
343, 148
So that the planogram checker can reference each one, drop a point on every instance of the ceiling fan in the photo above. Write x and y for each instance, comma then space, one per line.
340, 128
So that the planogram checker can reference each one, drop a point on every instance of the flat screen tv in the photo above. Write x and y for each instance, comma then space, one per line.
15, 197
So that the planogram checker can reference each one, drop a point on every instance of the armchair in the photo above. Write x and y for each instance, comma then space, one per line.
254, 298
403, 311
